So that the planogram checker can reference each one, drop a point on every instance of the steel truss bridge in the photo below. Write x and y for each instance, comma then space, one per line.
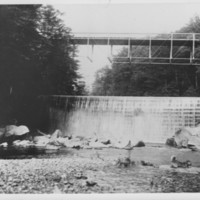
175, 43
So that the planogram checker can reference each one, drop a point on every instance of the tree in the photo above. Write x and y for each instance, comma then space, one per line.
103, 84
59, 68
154, 80
36, 59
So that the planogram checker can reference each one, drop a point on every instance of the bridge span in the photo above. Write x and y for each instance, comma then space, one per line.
176, 43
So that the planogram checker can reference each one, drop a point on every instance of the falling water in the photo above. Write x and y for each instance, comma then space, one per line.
151, 119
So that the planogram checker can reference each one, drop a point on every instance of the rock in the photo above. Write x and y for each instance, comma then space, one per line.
75, 144
140, 144
129, 146
171, 142
72, 143
23, 143
182, 136
125, 162
103, 141
16, 131
192, 147
41, 140
21, 130
188, 135
97, 145
194, 131
144, 163
80, 175
91, 183
54, 138
9, 130
175, 163
80, 138
57, 178
62, 141
57, 133
13, 133
5, 144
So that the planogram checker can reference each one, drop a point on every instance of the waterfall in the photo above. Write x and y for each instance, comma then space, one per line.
151, 119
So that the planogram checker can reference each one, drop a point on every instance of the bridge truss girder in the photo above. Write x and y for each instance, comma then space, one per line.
189, 40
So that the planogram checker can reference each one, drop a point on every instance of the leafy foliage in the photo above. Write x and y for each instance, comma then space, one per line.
152, 80
36, 58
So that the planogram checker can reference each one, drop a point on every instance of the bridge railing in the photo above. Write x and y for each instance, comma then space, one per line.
158, 36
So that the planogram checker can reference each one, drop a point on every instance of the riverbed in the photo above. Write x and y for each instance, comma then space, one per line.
95, 171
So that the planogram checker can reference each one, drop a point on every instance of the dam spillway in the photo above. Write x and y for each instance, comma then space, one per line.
151, 119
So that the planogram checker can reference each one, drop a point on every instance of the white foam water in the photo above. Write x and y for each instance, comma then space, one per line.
150, 119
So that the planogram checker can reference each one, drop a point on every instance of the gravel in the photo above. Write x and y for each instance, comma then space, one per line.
84, 172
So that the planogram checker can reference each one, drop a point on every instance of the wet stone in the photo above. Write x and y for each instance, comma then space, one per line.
91, 183
57, 178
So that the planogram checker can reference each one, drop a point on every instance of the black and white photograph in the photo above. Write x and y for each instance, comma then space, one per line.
100, 97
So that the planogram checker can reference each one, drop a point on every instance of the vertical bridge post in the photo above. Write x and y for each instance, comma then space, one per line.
109, 56
171, 48
129, 49
193, 46
88, 51
192, 57
149, 47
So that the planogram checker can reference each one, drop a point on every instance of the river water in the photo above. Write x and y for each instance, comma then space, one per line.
151, 119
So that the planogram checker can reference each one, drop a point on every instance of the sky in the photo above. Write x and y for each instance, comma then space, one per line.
122, 18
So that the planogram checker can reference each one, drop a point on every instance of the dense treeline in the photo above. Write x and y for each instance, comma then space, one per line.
36, 59
151, 80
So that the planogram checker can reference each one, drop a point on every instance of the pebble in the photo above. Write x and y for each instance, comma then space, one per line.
91, 183
67, 174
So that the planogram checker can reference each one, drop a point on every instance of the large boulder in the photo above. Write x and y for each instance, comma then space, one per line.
21, 130
13, 130
182, 137
194, 131
188, 136
171, 142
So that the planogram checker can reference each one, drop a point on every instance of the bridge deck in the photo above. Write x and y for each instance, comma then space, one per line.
132, 41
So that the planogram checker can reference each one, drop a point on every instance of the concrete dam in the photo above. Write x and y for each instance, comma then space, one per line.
151, 119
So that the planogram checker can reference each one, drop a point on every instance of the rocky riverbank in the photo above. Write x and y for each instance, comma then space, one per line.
95, 171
